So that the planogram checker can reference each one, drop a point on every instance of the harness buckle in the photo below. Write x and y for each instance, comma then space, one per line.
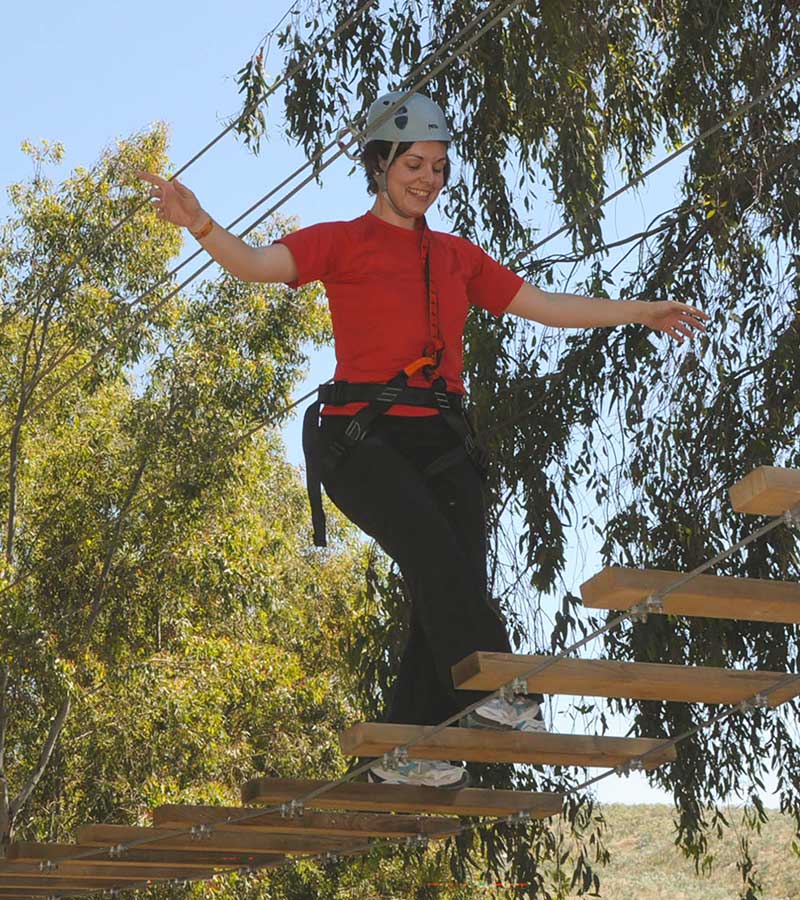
354, 431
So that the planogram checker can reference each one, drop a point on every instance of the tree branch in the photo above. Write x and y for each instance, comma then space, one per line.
44, 758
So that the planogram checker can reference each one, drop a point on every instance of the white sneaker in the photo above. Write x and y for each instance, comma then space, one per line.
427, 772
521, 714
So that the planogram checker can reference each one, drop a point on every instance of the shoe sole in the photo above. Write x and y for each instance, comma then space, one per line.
475, 720
463, 782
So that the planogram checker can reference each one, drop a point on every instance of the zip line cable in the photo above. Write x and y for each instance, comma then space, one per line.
106, 235
130, 329
742, 108
21, 578
384, 116
653, 604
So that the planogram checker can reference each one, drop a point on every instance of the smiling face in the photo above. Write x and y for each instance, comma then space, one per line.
416, 178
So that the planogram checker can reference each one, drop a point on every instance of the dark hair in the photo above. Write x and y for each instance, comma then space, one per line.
381, 149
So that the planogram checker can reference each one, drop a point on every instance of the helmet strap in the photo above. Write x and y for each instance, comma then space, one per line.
382, 180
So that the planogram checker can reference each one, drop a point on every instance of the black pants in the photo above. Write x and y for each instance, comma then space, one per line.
435, 530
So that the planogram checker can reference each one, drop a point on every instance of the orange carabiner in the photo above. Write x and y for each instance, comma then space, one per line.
418, 364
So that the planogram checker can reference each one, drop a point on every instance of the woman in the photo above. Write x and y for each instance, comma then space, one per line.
394, 449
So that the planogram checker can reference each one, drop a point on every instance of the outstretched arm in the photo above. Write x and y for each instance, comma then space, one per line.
573, 311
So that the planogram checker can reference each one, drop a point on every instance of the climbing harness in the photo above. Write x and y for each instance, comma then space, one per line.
418, 119
382, 396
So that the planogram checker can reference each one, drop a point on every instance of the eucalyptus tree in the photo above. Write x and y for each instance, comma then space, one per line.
147, 507
552, 101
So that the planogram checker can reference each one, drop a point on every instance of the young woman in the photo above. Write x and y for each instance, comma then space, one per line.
394, 450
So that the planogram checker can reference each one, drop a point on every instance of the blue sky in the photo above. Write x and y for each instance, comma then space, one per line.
86, 74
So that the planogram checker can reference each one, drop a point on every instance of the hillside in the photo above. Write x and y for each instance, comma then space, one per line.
646, 864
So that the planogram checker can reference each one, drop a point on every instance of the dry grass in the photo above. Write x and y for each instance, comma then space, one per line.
646, 864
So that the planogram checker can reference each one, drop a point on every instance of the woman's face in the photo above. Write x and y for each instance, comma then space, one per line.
416, 177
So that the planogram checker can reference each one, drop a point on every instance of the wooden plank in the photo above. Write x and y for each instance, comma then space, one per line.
342, 824
12, 893
403, 798
485, 671
143, 857
104, 875
484, 745
710, 596
64, 882
38, 890
109, 835
766, 491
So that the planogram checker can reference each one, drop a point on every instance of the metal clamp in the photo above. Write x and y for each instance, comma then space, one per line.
349, 129
354, 431
47, 865
396, 757
416, 840
757, 701
630, 765
201, 832
515, 686
652, 604
116, 851
520, 817
792, 516
389, 394
292, 808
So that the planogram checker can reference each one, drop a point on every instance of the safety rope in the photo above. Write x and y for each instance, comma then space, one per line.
105, 235
133, 327
652, 604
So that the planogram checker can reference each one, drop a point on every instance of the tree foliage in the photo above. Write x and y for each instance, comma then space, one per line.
167, 630
550, 103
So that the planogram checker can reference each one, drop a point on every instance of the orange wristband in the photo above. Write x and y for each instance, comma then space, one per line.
204, 230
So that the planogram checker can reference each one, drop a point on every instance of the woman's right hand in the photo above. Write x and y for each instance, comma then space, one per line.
174, 202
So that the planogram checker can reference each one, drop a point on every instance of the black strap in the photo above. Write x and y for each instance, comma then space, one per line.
380, 398
341, 393
458, 422
313, 469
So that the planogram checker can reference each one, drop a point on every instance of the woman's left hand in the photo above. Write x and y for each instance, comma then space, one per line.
675, 319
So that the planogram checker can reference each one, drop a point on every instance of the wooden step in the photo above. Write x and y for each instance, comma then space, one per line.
483, 745
709, 596
250, 841
87, 868
341, 824
403, 798
57, 883
766, 491
13, 893
143, 857
485, 671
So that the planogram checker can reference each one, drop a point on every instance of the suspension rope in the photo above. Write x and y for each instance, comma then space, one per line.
652, 604
133, 327
100, 352
258, 426
106, 235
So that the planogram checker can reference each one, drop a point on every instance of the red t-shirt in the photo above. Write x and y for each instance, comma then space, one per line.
374, 277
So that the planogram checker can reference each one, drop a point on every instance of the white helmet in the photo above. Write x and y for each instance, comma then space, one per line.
418, 119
